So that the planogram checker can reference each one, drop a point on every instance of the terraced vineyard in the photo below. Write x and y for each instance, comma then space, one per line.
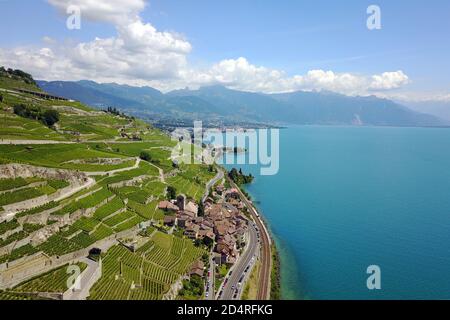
53, 281
78, 184
191, 181
148, 273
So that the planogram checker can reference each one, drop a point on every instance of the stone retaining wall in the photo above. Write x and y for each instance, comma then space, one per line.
129, 183
27, 204
40, 217
10, 232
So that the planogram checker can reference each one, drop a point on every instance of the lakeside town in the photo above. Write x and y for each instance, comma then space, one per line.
223, 223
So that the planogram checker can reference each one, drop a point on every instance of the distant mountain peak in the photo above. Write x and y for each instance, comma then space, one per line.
218, 101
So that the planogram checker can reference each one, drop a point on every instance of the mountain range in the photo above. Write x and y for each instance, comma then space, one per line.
218, 104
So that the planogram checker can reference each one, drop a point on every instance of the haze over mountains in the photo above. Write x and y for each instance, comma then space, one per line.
221, 105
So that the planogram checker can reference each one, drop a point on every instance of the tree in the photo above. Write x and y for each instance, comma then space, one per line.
233, 174
1, 97
239, 177
145, 156
201, 209
208, 242
20, 110
50, 117
30, 112
171, 192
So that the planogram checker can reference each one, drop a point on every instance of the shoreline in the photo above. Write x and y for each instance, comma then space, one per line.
270, 271
275, 291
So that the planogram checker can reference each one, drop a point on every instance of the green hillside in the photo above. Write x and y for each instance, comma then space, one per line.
90, 186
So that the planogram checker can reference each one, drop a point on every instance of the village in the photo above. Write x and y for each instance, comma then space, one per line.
220, 223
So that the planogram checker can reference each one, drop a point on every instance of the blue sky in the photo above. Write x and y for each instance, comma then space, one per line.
293, 37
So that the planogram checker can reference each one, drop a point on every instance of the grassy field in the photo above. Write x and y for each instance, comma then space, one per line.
15, 127
251, 288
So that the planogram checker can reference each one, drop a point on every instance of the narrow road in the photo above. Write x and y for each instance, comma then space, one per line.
85, 281
235, 284
266, 252
102, 173
210, 279
211, 183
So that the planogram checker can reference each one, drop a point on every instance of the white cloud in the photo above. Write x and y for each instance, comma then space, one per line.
389, 80
138, 53
141, 55
112, 11
242, 75
419, 97
444, 97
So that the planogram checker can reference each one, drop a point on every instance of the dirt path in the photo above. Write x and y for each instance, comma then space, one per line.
102, 173
89, 183
161, 173
22, 142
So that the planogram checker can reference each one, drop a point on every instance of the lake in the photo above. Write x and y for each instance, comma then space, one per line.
346, 198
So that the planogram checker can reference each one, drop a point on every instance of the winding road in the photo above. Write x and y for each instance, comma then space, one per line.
211, 183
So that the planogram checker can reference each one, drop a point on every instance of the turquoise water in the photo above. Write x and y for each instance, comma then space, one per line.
349, 197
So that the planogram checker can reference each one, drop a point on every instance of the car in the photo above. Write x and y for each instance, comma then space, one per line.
206, 294
235, 295
233, 287
209, 273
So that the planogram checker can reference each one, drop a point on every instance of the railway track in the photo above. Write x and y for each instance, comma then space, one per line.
266, 255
